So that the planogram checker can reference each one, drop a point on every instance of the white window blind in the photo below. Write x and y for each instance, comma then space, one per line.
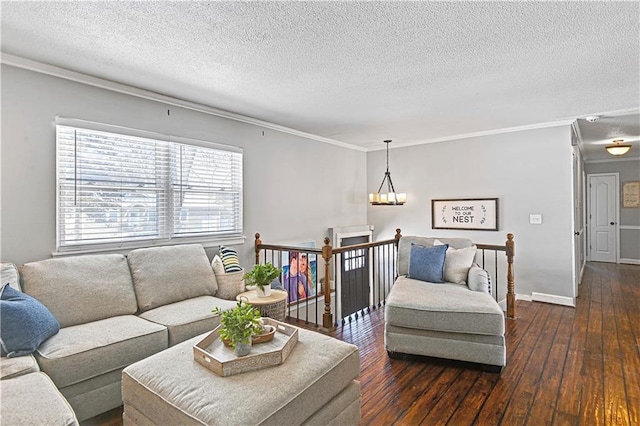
121, 190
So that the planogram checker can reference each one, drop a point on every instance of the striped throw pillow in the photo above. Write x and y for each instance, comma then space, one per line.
230, 259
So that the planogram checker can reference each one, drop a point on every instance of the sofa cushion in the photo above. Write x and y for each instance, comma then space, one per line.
14, 367
33, 399
404, 247
24, 322
163, 275
427, 263
188, 318
83, 351
479, 279
170, 388
443, 307
97, 286
9, 275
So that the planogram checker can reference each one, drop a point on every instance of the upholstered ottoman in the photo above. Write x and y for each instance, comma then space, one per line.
33, 399
315, 385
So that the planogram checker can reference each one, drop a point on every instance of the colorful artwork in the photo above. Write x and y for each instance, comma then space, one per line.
299, 273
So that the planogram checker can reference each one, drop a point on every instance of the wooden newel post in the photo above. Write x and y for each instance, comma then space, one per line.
395, 260
257, 244
511, 294
327, 254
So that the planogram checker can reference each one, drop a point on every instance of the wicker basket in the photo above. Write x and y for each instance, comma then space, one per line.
230, 284
277, 310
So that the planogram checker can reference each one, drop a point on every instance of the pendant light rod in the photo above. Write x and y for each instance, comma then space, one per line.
387, 174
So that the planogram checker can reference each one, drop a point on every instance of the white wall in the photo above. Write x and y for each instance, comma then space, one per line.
294, 188
529, 171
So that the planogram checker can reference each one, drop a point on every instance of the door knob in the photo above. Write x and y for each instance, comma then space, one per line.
612, 223
576, 233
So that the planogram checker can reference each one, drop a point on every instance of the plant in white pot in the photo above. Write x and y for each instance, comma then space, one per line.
261, 276
238, 325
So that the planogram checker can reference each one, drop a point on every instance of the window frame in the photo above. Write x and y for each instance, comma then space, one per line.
168, 237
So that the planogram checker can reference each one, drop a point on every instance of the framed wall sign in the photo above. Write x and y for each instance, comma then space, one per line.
631, 194
465, 213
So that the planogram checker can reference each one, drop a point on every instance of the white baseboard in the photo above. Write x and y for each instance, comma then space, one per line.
503, 302
630, 261
552, 298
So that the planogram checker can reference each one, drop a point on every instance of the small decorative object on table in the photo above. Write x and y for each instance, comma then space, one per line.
266, 335
214, 355
263, 336
238, 325
261, 277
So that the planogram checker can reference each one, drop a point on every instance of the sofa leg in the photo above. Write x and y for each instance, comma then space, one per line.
396, 355
497, 369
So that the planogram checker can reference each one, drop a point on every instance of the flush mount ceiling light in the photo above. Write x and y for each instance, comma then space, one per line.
389, 198
618, 148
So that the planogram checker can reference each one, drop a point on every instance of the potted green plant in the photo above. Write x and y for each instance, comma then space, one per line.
261, 276
238, 325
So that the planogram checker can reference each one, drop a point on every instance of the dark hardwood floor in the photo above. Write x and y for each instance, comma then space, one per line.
565, 366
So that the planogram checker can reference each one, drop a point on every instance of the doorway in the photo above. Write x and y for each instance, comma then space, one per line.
354, 277
352, 270
603, 217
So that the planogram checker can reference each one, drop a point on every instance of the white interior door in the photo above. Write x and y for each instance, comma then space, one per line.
579, 233
603, 243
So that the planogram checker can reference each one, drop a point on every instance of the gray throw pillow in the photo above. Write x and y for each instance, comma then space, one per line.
479, 279
24, 323
427, 263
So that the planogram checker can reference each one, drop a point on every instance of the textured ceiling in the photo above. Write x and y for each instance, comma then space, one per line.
356, 72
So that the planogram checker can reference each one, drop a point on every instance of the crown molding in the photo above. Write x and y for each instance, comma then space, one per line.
613, 113
565, 122
613, 160
52, 70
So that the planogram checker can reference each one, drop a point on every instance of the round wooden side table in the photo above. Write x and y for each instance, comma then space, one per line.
273, 306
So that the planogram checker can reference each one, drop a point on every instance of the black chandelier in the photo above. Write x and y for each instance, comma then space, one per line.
389, 198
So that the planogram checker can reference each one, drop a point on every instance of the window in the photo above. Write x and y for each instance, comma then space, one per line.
126, 190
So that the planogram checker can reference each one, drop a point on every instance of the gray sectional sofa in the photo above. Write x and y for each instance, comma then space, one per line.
28, 395
113, 311
459, 321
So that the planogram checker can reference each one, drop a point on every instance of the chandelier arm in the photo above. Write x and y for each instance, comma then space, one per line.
391, 184
382, 183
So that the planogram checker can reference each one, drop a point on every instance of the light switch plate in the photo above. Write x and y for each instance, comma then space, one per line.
535, 219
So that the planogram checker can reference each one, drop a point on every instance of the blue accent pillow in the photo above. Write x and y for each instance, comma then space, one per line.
427, 263
24, 323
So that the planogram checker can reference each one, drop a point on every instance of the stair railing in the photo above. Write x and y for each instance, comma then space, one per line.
320, 307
